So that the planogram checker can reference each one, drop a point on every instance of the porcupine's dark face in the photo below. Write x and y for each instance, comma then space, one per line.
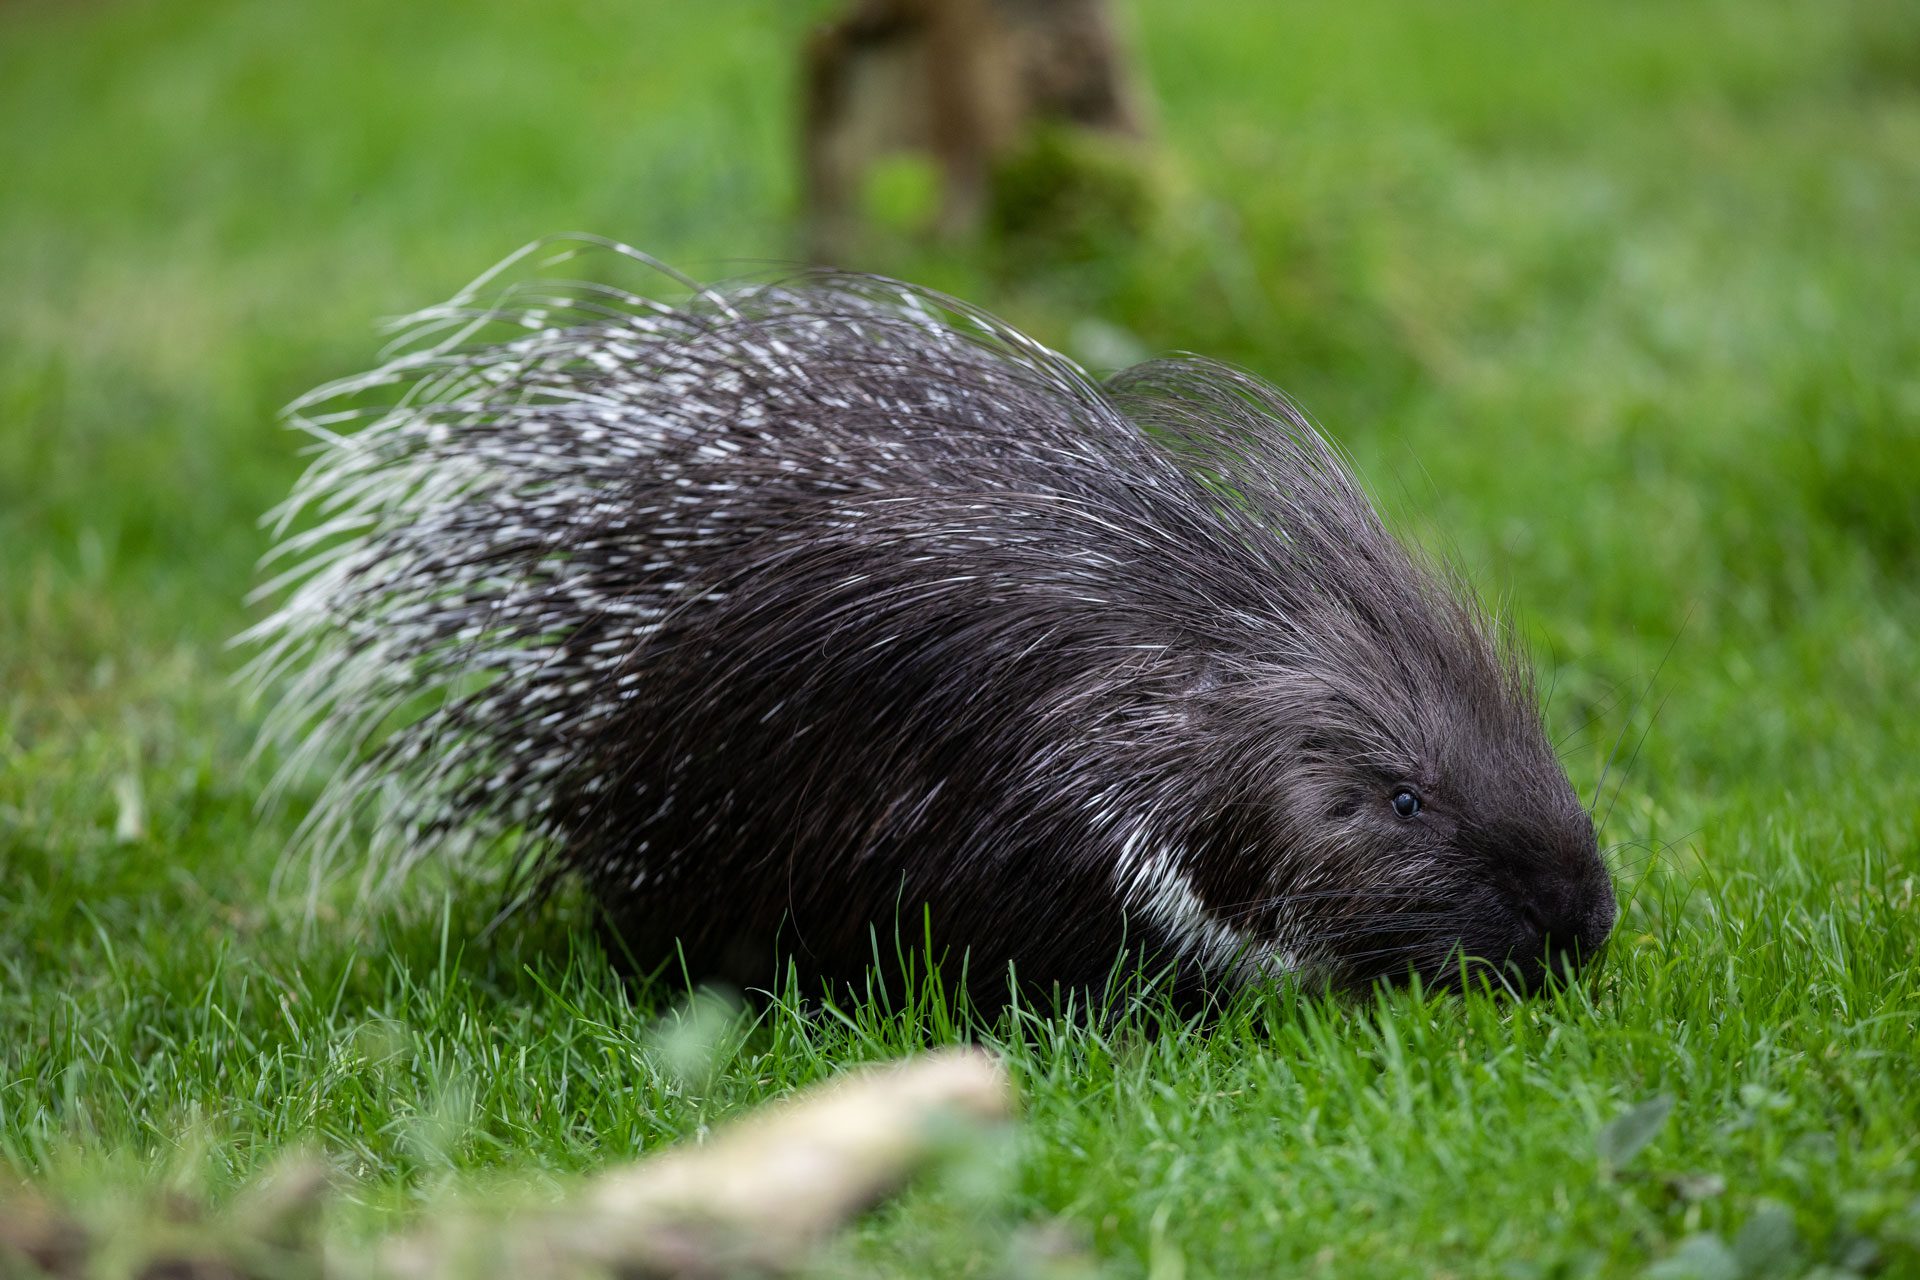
1414, 815
1479, 845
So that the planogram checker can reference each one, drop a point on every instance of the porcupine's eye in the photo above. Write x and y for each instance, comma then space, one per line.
1406, 802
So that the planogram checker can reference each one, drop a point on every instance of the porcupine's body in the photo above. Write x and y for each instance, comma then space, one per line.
804, 612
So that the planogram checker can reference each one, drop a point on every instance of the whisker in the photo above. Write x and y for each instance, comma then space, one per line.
1627, 771
1605, 705
1601, 786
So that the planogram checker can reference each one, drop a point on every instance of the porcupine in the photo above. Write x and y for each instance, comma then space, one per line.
800, 612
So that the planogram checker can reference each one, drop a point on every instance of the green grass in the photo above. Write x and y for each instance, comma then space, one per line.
1618, 304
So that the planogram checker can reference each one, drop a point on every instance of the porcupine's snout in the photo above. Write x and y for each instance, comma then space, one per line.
1564, 916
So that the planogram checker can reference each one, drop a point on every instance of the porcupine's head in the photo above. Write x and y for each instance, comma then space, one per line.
1382, 795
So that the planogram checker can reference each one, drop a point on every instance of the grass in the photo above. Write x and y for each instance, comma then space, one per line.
1618, 305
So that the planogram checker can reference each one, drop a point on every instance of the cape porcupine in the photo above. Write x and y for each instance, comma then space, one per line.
802, 609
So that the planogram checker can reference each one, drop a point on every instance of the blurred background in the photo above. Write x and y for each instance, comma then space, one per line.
1617, 305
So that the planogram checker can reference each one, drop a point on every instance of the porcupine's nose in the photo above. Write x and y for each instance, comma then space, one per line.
1570, 921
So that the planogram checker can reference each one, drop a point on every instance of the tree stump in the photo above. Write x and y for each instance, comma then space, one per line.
962, 82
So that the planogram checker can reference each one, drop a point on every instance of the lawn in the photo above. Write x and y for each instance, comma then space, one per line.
1617, 305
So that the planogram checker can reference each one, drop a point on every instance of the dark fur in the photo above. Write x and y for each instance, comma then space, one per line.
943, 625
